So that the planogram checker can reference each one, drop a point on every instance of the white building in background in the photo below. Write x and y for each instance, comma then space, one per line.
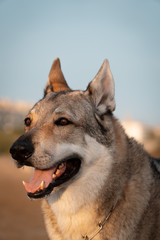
134, 129
148, 136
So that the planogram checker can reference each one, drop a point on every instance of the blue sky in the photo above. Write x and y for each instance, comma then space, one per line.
82, 34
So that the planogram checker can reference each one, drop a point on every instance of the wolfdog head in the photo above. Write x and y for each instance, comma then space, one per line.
68, 134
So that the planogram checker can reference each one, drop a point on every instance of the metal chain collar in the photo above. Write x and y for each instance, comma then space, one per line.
100, 225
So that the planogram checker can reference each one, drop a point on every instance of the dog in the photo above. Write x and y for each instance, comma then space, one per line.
95, 181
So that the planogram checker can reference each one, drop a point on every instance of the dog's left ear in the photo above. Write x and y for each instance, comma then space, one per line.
101, 90
56, 81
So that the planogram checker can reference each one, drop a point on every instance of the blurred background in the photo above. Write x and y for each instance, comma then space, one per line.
82, 34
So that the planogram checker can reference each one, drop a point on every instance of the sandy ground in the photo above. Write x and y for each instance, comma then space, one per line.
20, 218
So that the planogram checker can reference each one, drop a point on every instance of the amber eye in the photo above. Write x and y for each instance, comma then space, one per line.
27, 122
62, 122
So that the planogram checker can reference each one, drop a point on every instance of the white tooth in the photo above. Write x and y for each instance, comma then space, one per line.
57, 172
61, 166
54, 176
23, 183
42, 185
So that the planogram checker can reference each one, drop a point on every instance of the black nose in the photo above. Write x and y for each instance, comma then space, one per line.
22, 150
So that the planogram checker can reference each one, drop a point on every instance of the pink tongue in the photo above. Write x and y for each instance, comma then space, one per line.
38, 177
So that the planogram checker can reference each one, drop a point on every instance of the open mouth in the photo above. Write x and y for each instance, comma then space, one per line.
43, 182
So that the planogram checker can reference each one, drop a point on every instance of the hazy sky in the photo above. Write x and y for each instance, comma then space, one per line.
82, 34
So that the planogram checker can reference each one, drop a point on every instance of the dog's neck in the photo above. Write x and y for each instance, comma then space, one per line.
71, 219
101, 224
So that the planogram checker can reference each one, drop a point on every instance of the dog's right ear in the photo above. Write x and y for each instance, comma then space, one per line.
101, 90
56, 81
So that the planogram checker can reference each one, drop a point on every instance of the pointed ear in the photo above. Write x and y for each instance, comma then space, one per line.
56, 81
101, 90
